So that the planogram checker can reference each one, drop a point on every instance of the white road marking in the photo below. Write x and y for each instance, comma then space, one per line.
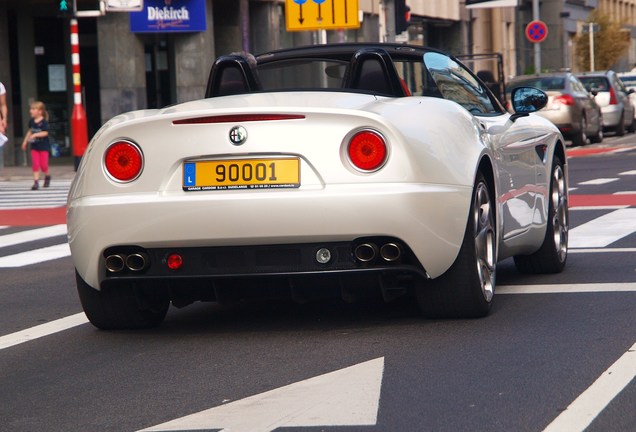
632, 172
624, 193
585, 408
566, 288
35, 256
599, 181
621, 150
604, 230
42, 330
31, 235
602, 250
608, 207
346, 397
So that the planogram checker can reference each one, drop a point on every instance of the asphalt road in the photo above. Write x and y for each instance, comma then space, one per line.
555, 349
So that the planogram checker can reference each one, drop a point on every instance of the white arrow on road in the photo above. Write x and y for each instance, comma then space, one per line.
346, 397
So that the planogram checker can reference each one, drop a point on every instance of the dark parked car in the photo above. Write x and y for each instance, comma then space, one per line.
570, 106
613, 97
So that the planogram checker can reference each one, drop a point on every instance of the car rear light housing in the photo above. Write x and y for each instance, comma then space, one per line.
564, 99
613, 100
367, 150
123, 161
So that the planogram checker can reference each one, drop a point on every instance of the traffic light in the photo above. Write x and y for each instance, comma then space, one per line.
402, 16
64, 8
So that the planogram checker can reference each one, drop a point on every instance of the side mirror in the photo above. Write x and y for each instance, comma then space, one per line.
526, 100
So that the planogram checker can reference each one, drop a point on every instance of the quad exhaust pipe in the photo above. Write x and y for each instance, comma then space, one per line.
134, 262
115, 263
368, 252
391, 252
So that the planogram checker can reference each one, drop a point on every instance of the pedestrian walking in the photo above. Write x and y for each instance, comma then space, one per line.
38, 137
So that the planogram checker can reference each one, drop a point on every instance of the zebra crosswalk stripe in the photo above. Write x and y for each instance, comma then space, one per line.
32, 235
35, 256
604, 230
18, 195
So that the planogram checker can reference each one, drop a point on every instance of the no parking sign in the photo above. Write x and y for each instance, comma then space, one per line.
536, 31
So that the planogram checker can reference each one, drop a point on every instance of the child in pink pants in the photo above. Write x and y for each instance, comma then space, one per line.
38, 137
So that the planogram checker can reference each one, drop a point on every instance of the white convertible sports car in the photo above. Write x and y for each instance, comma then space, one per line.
350, 169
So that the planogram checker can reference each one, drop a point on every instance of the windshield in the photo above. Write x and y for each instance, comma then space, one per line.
595, 83
302, 74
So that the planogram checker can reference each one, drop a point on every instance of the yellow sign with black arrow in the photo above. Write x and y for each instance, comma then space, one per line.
321, 14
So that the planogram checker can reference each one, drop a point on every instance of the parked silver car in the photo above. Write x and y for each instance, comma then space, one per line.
613, 97
629, 81
570, 107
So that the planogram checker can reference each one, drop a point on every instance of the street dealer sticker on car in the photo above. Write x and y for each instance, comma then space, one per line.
241, 174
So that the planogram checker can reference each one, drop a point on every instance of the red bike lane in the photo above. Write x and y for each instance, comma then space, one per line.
33, 216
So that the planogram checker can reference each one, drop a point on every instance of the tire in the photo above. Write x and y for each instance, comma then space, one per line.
598, 138
580, 138
466, 289
632, 126
126, 306
552, 255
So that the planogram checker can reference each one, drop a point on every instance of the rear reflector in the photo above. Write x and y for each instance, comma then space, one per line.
174, 261
238, 118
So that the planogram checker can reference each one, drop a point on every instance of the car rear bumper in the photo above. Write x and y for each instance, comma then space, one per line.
411, 213
612, 115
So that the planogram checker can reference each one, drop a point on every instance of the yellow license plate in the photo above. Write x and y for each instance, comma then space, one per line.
241, 174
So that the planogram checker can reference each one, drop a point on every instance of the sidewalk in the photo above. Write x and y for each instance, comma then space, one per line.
59, 168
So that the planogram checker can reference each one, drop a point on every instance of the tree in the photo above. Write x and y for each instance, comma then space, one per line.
611, 42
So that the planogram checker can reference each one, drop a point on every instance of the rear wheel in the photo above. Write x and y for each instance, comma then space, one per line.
467, 288
553, 253
580, 138
126, 306
598, 138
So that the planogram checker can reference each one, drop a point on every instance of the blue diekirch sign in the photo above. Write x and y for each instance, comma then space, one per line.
161, 16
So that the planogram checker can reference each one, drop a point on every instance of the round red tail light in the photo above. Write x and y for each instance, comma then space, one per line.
123, 161
367, 150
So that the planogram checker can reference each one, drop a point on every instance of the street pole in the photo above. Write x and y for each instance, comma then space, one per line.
244, 12
591, 31
388, 7
79, 125
537, 46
